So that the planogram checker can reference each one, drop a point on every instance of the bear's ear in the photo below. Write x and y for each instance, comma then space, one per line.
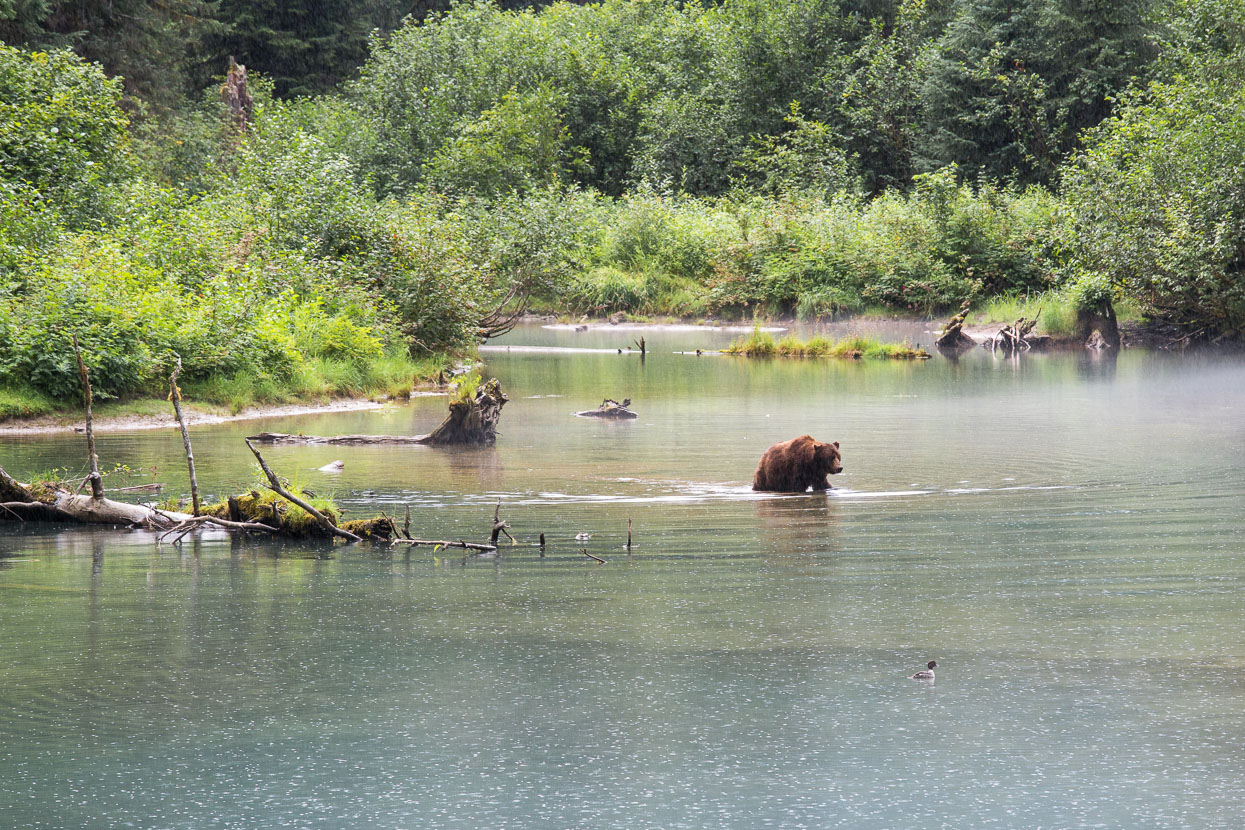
836, 445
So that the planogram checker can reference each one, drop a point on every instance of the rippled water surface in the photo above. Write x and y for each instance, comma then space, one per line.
1064, 534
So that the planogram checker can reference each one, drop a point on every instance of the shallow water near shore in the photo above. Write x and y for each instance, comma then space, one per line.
1063, 533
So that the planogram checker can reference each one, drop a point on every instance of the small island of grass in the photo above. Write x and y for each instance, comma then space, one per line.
763, 344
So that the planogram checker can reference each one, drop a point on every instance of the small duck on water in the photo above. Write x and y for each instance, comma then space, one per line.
926, 673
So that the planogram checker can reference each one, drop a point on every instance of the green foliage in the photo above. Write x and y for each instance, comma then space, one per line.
879, 105
1053, 309
23, 402
1010, 85
151, 44
62, 136
1156, 209
305, 46
757, 344
762, 344
808, 157
516, 146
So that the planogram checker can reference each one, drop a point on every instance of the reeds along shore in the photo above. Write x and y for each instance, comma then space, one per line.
763, 344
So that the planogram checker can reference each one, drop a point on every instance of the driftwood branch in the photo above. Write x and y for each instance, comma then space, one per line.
499, 527
175, 395
84, 376
476, 546
195, 522
610, 408
277, 487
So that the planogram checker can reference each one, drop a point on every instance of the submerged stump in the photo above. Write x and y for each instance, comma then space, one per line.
471, 421
953, 336
610, 408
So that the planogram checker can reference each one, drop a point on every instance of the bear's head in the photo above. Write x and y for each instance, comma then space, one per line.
827, 457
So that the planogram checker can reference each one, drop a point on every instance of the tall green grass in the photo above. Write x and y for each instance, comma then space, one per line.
762, 344
19, 402
390, 375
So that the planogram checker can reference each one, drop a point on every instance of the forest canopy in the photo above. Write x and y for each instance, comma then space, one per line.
410, 176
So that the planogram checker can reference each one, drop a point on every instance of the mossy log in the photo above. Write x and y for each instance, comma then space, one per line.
471, 421
610, 408
953, 336
45, 502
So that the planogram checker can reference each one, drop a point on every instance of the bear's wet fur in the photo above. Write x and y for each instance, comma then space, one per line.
796, 465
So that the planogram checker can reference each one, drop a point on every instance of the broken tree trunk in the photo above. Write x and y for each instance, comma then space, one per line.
235, 97
470, 421
953, 336
1101, 321
175, 395
1013, 338
84, 376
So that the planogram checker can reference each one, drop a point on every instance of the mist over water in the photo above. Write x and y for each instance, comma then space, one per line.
1063, 533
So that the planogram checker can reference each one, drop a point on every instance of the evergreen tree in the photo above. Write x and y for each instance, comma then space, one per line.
151, 44
1013, 82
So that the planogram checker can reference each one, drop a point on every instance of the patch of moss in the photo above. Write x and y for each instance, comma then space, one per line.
269, 508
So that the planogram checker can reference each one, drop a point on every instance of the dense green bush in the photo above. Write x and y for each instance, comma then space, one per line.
1157, 206
811, 256
62, 136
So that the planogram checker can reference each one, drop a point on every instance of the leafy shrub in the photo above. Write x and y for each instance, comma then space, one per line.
61, 131
1155, 207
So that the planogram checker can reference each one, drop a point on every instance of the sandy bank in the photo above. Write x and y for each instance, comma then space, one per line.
196, 415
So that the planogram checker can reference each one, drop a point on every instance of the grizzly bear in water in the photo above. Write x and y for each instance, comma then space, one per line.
794, 466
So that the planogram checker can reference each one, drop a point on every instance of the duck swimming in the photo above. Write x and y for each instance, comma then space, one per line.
926, 673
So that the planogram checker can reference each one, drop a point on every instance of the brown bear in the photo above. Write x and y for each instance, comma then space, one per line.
794, 466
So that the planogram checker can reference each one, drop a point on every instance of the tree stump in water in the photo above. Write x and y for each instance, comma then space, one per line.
952, 336
471, 421
1100, 321
1013, 338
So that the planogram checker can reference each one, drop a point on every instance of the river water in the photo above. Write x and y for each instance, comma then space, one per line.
1064, 534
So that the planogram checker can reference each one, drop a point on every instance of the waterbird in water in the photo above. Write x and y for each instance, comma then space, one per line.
582, 537
926, 673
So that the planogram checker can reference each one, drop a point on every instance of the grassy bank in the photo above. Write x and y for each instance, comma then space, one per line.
1055, 310
763, 344
317, 380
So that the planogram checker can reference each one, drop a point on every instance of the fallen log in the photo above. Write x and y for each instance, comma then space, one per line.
277, 487
443, 543
471, 421
45, 502
610, 408
287, 438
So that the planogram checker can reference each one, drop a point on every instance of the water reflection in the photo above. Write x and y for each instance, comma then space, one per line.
1097, 364
1063, 533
